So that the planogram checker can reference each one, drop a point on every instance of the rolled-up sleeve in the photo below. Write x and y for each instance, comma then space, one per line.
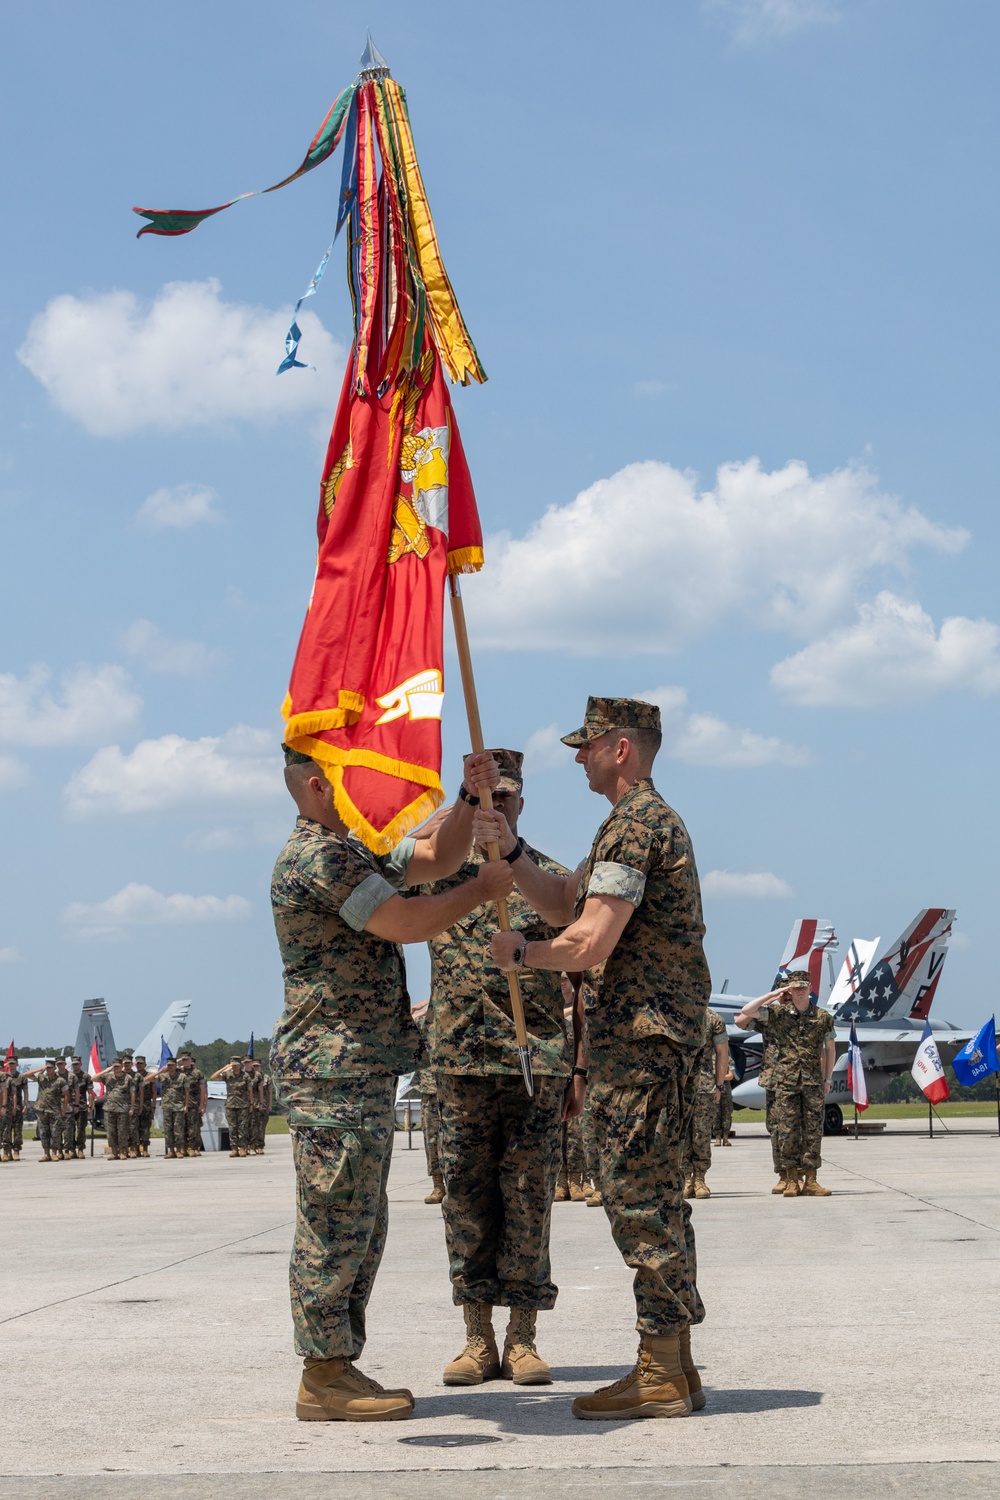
364, 900
608, 879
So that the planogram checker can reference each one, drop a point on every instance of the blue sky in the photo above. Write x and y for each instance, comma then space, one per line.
731, 267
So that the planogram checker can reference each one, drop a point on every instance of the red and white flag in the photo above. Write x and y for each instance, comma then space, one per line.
95, 1067
928, 1069
856, 1072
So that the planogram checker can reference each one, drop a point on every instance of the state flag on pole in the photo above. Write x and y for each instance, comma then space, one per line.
397, 514
95, 1067
928, 1069
978, 1058
856, 1072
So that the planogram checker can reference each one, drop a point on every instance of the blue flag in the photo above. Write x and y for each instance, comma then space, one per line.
250, 1048
165, 1052
978, 1058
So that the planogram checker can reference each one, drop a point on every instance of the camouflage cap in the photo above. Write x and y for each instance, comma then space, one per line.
797, 976
295, 757
605, 714
76, 1059
50, 1062
510, 763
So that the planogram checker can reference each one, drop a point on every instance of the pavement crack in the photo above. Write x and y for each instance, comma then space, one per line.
915, 1198
138, 1275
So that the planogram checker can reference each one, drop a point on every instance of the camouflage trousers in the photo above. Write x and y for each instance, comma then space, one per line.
641, 1129
238, 1120
192, 1129
574, 1149
724, 1113
797, 1126
174, 1129
769, 1127
430, 1125
116, 1123
144, 1127
48, 1131
75, 1134
698, 1136
500, 1155
256, 1127
342, 1133
11, 1130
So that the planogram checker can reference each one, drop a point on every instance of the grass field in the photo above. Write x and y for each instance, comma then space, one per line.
891, 1112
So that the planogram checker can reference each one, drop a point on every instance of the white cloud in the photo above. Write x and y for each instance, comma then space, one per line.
755, 21
178, 508
158, 652
142, 906
187, 359
9, 956
892, 655
95, 702
544, 752
645, 563
240, 767
749, 885
703, 739
12, 774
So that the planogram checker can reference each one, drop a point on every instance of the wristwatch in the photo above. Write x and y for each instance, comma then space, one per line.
519, 951
579, 1073
466, 796
515, 853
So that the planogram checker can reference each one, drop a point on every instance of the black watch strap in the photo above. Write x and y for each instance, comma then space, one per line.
579, 1072
515, 853
465, 796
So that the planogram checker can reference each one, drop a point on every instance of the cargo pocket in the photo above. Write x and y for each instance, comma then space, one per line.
329, 1153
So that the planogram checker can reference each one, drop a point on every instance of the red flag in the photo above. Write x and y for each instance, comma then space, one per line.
95, 1068
10, 1050
397, 513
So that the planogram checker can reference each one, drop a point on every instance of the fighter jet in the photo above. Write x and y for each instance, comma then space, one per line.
95, 1040
888, 1001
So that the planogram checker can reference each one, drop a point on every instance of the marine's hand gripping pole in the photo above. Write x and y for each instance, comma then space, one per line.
486, 801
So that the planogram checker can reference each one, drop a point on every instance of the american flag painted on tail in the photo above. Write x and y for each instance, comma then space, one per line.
905, 979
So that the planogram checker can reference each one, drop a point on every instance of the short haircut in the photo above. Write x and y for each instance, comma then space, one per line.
299, 772
646, 741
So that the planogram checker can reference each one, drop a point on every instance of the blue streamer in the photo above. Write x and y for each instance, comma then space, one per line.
294, 335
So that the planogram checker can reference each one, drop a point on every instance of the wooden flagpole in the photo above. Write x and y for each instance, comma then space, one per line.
486, 801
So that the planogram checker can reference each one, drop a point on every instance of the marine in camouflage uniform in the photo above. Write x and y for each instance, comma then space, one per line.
500, 1150
430, 1119
128, 1068
81, 1101
65, 1144
238, 1081
13, 1090
119, 1099
145, 1106
344, 1036
50, 1109
637, 903
260, 1106
197, 1099
173, 1086
713, 1058
723, 1128
799, 1038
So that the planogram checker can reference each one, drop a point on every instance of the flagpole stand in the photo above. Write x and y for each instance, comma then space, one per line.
855, 1121
486, 801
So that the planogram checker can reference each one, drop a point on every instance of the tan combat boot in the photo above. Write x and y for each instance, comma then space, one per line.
578, 1191
521, 1361
562, 1188
596, 1199
691, 1375
480, 1359
689, 1187
46, 1156
7, 1156
793, 1187
701, 1187
332, 1390
717, 1140
16, 1155
234, 1152
656, 1387
780, 1185
813, 1189
436, 1194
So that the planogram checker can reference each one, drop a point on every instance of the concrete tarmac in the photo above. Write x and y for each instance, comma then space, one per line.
849, 1346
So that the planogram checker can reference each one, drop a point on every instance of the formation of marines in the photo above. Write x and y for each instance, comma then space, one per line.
66, 1098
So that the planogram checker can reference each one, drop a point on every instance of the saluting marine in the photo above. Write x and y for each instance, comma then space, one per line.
238, 1087
13, 1091
81, 1107
119, 1102
196, 1105
50, 1108
801, 1052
